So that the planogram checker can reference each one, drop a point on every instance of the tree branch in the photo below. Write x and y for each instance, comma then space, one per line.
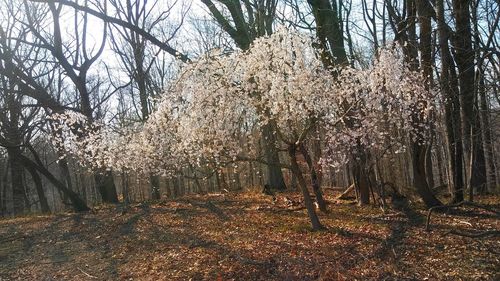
164, 46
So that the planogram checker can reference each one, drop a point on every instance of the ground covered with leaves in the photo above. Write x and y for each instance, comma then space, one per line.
250, 236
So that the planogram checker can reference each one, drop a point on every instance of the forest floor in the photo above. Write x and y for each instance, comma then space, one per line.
247, 236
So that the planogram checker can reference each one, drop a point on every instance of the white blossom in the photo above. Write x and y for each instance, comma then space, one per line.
216, 109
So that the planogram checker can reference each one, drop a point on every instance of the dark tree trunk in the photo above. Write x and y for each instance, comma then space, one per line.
78, 204
361, 180
423, 179
275, 175
418, 150
464, 57
176, 186
16, 180
106, 187
441, 168
44, 204
411, 35
425, 11
155, 187
66, 176
13, 139
329, 31
3, 191
429, 173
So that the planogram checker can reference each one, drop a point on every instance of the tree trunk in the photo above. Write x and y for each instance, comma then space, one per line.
425, 11
314, 179
1, 190
361, 180
66, 176
449, 89
441, 168
155, 187
106, 187
487, 139
315, 223
464, 57
44, 204
362, 185
419, 179
477, 161
125, 186
78, 204
16, 179
275, 175
329, 32
429, 173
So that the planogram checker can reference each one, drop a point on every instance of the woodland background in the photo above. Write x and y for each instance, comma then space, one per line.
110, 60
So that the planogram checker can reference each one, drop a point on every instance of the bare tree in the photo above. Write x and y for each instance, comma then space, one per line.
76, 58
27, 74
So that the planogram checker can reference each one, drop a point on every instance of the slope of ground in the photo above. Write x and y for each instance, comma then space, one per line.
247, 237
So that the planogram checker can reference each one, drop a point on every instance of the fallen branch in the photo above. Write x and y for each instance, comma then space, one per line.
344, 194
463, 203
300, 208
492, 233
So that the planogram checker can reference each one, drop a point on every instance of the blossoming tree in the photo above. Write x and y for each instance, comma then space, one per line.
214, 112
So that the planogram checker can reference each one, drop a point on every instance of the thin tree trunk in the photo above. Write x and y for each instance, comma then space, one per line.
449, 89
4, 180
125, 185
66, 176
487, 139
155, 187
1, 191
361, 180
316, 224
314, 180
441, 169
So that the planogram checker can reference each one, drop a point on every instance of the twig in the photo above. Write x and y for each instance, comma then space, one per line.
86, 274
